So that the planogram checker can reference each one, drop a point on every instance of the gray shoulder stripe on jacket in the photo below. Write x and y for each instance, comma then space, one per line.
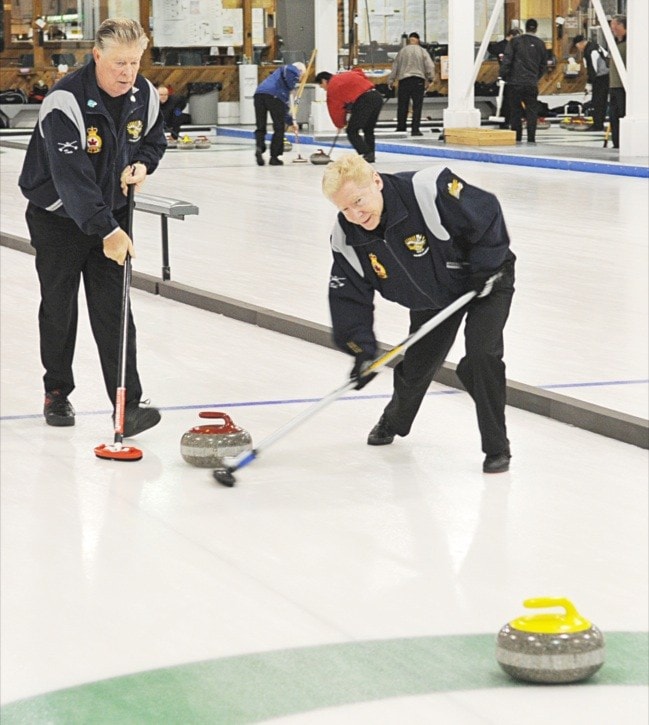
349, 253
65, 102
425, 187
154, 107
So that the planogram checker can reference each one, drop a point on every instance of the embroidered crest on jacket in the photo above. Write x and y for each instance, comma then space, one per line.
417, 244
134, 130
455, 187
93, 141
379, 269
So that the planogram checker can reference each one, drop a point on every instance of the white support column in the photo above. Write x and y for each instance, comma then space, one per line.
326, 42
326, 34
634, 127
461, 111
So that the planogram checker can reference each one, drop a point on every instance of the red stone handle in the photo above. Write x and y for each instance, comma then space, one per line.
227, 427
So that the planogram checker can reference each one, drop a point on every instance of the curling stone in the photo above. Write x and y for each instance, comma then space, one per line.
550, 648
319, 157
287, 145
206, 446
580, 124
186, 142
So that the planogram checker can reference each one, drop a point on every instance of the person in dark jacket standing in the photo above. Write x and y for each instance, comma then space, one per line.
172, 107
354, 102
422, 239
617, 94
523, 65
273, 95
595, 62
99, 130
498, 49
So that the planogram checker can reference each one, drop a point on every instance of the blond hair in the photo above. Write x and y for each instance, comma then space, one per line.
350, 167
120, 31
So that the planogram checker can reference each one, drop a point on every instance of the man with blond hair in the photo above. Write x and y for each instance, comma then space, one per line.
422, 239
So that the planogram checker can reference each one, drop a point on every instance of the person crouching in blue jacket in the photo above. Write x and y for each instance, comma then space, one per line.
273, 95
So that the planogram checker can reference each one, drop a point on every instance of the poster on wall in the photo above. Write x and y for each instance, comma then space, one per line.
191, 23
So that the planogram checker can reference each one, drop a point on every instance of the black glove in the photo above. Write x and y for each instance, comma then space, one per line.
361, 362
483, 282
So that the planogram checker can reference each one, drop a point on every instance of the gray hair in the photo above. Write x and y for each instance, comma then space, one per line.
620, 19
120, 31
350, 167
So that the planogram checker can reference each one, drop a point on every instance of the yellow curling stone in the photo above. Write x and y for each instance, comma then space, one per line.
550, 648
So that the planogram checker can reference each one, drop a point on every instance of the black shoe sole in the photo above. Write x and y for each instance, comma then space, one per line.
59, 421
380, 441
130, 432
260, 158
502, 468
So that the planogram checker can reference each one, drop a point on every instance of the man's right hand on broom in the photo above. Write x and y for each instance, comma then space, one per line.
117, 245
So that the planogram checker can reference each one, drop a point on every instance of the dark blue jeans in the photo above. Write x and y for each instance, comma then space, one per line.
524, 103
617, 110
410, 89
363, 117
265, 104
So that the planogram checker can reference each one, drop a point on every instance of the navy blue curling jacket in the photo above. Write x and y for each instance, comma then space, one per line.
76, 155
436, 230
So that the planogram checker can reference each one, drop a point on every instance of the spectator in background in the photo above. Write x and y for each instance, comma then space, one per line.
498, 49
172, 107
617, 94
596, 64
414, 71
353, 101
524, 63
273, 95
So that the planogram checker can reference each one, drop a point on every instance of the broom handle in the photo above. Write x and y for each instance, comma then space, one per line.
300, 88
120, 395
248, 456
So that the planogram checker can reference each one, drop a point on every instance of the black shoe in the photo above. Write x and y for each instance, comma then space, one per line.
416, 133
57, 409
369, 157
382, 434
498, 463
138, 418
260, 158
274, 161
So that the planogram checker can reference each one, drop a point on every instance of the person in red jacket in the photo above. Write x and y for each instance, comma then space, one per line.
352, 100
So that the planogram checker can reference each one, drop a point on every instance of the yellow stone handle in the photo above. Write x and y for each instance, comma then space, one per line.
544, 602
546, 623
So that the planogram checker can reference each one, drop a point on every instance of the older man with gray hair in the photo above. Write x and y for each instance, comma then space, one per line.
99, 131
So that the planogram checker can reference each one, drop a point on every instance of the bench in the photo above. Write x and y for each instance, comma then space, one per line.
19, 115
166, 209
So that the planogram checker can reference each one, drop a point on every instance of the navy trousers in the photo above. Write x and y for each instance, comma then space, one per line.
481, 370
